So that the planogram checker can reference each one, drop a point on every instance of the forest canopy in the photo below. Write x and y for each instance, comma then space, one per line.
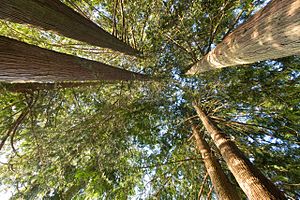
130, 131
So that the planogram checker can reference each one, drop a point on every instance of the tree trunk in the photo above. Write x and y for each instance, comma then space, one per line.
273, 32
224, 189
55, 15
21, 62
31, 87
255, 185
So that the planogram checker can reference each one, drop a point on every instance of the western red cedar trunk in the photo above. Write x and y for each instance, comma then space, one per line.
21, 62
273, 32
55, 15
255, 185
224, 189
30, 87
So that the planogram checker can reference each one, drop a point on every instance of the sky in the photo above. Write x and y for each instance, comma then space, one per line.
5, 195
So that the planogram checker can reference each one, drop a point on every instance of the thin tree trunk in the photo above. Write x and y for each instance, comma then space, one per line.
115, 31
21, 62
123, 21
55, 15
255, 185
273, 32
224, 189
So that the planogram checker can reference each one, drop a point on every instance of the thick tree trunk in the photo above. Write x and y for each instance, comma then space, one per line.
224, 189
56, 16
21, 62
31, 87
255, 185
273, 32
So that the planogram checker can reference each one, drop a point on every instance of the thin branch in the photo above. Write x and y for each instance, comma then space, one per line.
11, 105
202, 186
15, 128
172, 162
133, 38
167, 180
78, 9
95, 8
241, 123
115, 31
144, 26
123, 36
232, 26
20, 120
186, 120
209, 193
177, 44
4, 139
189, 52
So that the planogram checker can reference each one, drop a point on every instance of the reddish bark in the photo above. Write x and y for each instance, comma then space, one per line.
224, 189
21, 62
55, 15
255, 185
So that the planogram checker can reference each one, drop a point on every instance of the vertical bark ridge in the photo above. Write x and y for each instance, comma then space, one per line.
30, 87
255, 185
55, 15
21, 62
271, 33
224, 189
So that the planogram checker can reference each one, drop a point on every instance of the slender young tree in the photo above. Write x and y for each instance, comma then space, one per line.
223, 187
273, 32
255, 185
55, 15
21, 62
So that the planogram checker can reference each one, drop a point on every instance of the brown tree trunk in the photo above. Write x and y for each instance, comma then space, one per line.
31, 87
273, 32
55, 15
21, 62
224, 189
255, 185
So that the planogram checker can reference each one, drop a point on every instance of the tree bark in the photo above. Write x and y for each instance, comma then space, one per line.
31, 87
224, 189
55, 15
21, 62
271, 33
255, 185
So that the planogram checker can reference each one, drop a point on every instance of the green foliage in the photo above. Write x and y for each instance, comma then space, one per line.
130, 140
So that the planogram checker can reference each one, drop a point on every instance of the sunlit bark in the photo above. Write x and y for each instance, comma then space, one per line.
224, 189
273, 32
255, 185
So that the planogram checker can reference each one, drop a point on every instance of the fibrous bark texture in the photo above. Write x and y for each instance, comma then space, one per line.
31, 87
255, 185
21, 62
224, 189
273, 32
55, 15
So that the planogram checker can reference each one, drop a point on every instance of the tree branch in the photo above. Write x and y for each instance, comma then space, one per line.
202, 186
172, 162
